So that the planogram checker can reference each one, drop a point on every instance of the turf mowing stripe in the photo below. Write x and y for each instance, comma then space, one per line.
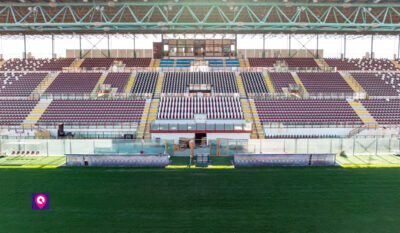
371, 165
353, 158
345, 160
194, 167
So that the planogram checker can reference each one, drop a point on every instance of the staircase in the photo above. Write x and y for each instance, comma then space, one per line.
298, 81
129, 84
269, 83
244, 63
363, 113
149, 114
352, 83
43, 85
99, 83
251, 115
37, 112
158, 90
239, 82
155, 63
76, 63
321, 64
396, 64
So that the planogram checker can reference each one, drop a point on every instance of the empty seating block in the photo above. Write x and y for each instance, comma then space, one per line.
32, 64
74, 83
384, 111
291, 62
254, 82
14, 112
93, 111
135, 62
117, 80
186, 107
306, 111
57, 64
281, 80
361, 64
19, 84
145, 82
379, 84
178, 82
324, 83
97, 62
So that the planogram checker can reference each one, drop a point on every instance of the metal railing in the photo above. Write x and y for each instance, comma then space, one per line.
209, 127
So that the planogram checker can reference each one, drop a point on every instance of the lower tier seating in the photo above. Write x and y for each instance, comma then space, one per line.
384, 111
324, 83
117, 80
281, 80
178, 82
379, 84
254, 82
14, 112
305, 111
93, 111
74, 83
145, 82
186, 107
19, 84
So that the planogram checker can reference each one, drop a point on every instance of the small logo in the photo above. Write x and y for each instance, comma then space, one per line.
40, 201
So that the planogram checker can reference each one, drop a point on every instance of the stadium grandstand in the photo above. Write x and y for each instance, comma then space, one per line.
197, 84
202, 71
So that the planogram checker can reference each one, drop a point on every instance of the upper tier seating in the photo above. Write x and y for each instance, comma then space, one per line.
145, 82
178, 82
361, 64
32, 64
379, 84
324, 83
135, 62
57, 64
254, 82
19, 84
291, 62
14, 112
218, 62
92, 111
181, 62
74, 83
384, 111
186, 107
117, 80
97, 62
305, 111
281, 80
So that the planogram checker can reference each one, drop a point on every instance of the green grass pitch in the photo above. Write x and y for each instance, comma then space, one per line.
330, 199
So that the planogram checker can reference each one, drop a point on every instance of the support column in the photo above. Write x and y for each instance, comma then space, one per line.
108, 45
80, 46
372, 46
236, 48
317, 54
264, 46
134, 45
162, 46
52, 46
398, 49
24, 46
344, 47
290, 43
